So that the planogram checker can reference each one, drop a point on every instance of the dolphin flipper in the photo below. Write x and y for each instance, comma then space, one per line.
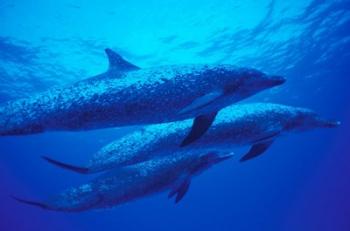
200, 125
181, 188
70, 167
256, 150
116, 62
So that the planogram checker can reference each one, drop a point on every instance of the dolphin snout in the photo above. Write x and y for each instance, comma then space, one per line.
331, 124
277, 80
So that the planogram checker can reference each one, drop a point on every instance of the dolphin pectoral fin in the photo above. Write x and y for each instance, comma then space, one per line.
116, 62
256, 150
200, 125
32, 203
180, 189
202, 101
70, 167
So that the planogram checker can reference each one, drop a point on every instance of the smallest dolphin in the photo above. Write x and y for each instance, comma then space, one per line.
121, 185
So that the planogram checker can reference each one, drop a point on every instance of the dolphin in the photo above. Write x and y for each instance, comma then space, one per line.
117, 186
128, 95
254, 124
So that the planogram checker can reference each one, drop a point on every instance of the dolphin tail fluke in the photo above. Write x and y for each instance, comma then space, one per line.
32, 203
200, 125
69, 167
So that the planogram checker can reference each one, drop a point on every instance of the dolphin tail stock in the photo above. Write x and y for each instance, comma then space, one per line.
70, 167
30, 202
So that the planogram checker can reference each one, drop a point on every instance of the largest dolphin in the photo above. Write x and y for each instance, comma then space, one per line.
128, 95
255, 124
122, 185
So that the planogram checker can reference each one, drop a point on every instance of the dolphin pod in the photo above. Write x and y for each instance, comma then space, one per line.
255, 124
121, 185
190, 127
128, 95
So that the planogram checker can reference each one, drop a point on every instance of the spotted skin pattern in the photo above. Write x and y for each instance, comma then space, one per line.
137, 97
122, 185
234, 126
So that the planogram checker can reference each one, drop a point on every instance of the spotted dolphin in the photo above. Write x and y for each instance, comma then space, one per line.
121, 185
128, 95
254, 124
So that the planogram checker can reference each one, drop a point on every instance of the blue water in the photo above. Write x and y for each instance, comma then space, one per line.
301, 183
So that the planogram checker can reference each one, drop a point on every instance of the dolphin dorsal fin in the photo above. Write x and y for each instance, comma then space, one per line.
116, 62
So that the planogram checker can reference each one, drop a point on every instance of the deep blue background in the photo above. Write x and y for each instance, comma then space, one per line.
301, 183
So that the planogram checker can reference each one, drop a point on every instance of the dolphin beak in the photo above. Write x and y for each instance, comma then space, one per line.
329, 123
277, 80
